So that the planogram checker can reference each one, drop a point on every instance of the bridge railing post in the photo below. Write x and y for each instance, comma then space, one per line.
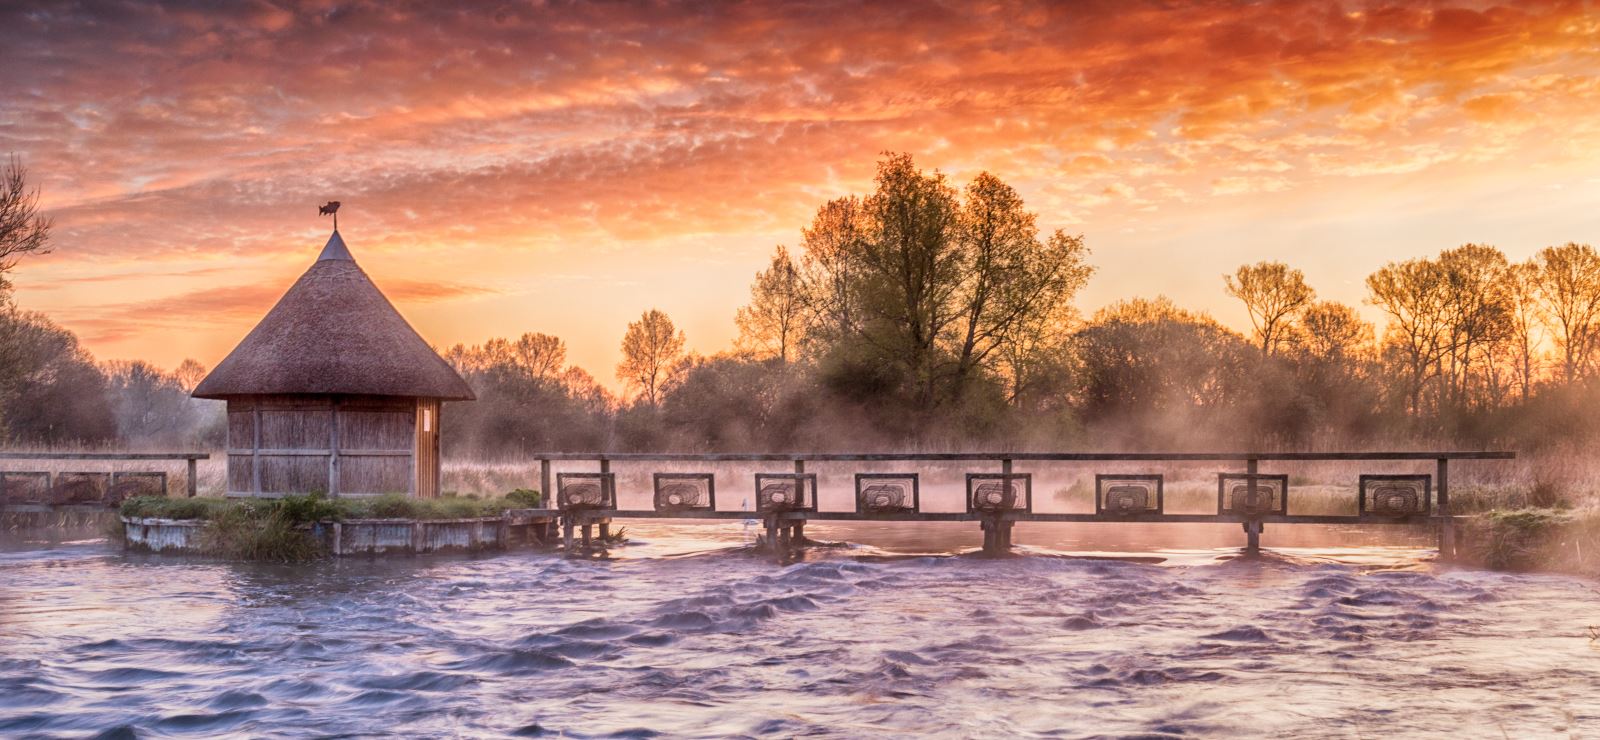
1447, 525
547, 497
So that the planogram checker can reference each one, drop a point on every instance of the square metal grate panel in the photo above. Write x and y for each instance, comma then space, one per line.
1396, 495
885, 493
993, 493
586, 491
685, 492
1271, 494
1128, 494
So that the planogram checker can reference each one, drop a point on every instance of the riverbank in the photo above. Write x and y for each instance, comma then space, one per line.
1550, 540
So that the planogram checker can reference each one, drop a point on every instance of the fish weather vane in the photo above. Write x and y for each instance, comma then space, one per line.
331, 208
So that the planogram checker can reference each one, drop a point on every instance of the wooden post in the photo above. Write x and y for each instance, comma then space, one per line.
333, 449
566, 534
772, 533
588, 537
1252, 528
1447, 526
194, 484
799, 538
338, 538
1002, 527
547, 497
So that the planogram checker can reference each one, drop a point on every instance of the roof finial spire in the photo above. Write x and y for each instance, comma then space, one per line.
331, 208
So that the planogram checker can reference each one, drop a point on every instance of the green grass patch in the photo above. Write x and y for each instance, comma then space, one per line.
317, 508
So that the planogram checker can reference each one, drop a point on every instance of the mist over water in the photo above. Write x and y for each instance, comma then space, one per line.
686, 633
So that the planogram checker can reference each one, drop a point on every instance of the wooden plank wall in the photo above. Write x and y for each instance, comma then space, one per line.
341, 446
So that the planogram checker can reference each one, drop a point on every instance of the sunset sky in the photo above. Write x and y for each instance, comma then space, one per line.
562, 168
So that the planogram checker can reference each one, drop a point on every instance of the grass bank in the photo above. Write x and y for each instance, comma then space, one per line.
1534, 539
282, 529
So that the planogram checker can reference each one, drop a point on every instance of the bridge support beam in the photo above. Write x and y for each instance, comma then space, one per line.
996, 536
1252, 537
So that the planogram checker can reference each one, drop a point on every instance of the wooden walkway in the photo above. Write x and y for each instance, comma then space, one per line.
1399, 499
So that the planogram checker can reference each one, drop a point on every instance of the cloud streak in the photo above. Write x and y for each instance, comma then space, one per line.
562, 132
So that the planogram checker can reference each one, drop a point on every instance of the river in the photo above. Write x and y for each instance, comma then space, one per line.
685, 632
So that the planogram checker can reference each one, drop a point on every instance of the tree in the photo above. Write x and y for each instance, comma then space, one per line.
924, 297
539, 356
912, 268
1013, 286
1569, 284
23, 230
188, 374
1418, 328
651, 350
50, 390
773, 323
1272, 293
829, 270
1478, 318
1332, 332
1527, 316
1153, 372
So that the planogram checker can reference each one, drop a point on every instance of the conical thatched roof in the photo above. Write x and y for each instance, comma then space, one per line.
334, 332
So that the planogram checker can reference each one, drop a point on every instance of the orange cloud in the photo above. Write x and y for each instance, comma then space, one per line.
563, 133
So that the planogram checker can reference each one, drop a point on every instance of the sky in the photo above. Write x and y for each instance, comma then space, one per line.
561, 168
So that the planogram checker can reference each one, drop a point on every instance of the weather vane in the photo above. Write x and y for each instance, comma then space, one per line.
330, 208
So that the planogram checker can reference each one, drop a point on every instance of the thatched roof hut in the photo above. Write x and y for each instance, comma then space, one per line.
333, 391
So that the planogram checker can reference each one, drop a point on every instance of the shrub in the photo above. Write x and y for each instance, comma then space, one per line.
243, 532
525, 498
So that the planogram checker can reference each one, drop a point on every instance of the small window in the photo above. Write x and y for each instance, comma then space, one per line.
427, 420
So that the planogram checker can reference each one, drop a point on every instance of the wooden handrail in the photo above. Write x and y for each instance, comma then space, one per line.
1018, 456
104, 455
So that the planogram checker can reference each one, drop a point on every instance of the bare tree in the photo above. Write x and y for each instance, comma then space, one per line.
1478, 318
540, 356
829, 270
1332, 332
1569, 283
1527, 316
23, 230
1418, 329
1272, 293
188, 374
774, 321
651, 348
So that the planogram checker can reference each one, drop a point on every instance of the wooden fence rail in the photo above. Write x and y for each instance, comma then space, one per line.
190, 459
785, 526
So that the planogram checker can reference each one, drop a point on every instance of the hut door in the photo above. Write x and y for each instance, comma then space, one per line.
427, 452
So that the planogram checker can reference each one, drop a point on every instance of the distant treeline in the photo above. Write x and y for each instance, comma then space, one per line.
935, 316
921, 315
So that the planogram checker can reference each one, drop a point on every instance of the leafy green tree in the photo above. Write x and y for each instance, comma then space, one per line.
1014, 287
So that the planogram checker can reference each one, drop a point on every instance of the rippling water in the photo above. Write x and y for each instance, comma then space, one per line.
685, 633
